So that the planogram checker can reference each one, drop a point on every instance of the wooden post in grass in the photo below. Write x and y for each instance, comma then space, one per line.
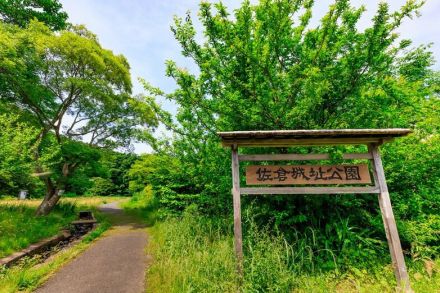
317, 175
389, 223
238, 242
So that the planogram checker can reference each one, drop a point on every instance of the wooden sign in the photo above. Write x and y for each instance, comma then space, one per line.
307, 174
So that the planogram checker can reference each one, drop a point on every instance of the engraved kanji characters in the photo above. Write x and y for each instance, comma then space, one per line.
264, 174
352, 173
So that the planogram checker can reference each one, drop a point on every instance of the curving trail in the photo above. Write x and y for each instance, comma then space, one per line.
115, 263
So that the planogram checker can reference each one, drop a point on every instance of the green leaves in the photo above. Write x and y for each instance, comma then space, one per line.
55, 76
22, 12
264, 66
77, 94
15, 154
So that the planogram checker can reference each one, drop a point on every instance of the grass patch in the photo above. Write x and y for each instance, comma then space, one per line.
190, 257
30, 274
195, 254
19, 227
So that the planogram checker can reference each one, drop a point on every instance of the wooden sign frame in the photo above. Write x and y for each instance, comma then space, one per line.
373, 138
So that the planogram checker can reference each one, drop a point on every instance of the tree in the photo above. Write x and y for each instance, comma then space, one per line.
21, 12
76, 90
15, 156
267, 67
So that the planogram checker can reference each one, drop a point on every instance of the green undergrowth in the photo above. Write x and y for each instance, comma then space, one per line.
143, 206
30, 273
19, 227
193, 253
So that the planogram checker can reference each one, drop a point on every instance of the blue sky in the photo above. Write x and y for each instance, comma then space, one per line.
140, 30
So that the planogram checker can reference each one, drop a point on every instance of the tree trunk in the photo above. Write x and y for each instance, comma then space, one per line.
48, 203
53, 193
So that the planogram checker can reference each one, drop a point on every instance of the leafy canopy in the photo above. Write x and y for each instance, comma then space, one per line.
75, 92
15, 156
21, 12
55, 76
266, 66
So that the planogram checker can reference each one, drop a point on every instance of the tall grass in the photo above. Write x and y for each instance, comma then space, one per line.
195, 254
190, 256
19, 227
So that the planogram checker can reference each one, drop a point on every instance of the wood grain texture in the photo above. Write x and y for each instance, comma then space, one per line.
310, 137
392, 234
300, 157
317, 133
307, 190
238, 238
287, 142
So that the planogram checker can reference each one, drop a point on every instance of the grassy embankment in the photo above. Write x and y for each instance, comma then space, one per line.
19, 228
195, 254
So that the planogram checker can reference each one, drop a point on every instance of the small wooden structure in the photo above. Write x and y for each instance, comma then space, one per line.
304, 175
86, 222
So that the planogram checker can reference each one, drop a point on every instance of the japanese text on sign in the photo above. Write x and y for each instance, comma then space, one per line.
308, 174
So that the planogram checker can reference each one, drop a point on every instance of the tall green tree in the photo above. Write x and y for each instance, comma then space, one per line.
76, 91
21, 12
265, 67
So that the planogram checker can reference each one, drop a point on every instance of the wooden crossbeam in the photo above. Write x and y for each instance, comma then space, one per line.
300, 157
307, 190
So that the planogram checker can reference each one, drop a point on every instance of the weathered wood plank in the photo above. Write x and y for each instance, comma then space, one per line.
238, 240
284, 157
307, 190
287, 142
310, 137
390, 224
307, 133
300, 157
357, 156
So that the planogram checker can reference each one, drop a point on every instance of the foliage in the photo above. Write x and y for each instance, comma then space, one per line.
21, 12
75, 90
412, 165
19, 227
101, 186
153, 169
163, 174
77, 77
118, 166
15, 156
267, 67
272, 264
143, 205
99, 167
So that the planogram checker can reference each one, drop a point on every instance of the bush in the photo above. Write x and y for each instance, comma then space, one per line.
101, 187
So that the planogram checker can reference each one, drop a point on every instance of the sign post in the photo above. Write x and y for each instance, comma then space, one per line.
287, 176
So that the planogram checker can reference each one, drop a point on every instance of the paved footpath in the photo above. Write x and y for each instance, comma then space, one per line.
115, 263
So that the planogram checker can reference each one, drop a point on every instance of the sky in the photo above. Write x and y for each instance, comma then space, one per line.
140, 30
